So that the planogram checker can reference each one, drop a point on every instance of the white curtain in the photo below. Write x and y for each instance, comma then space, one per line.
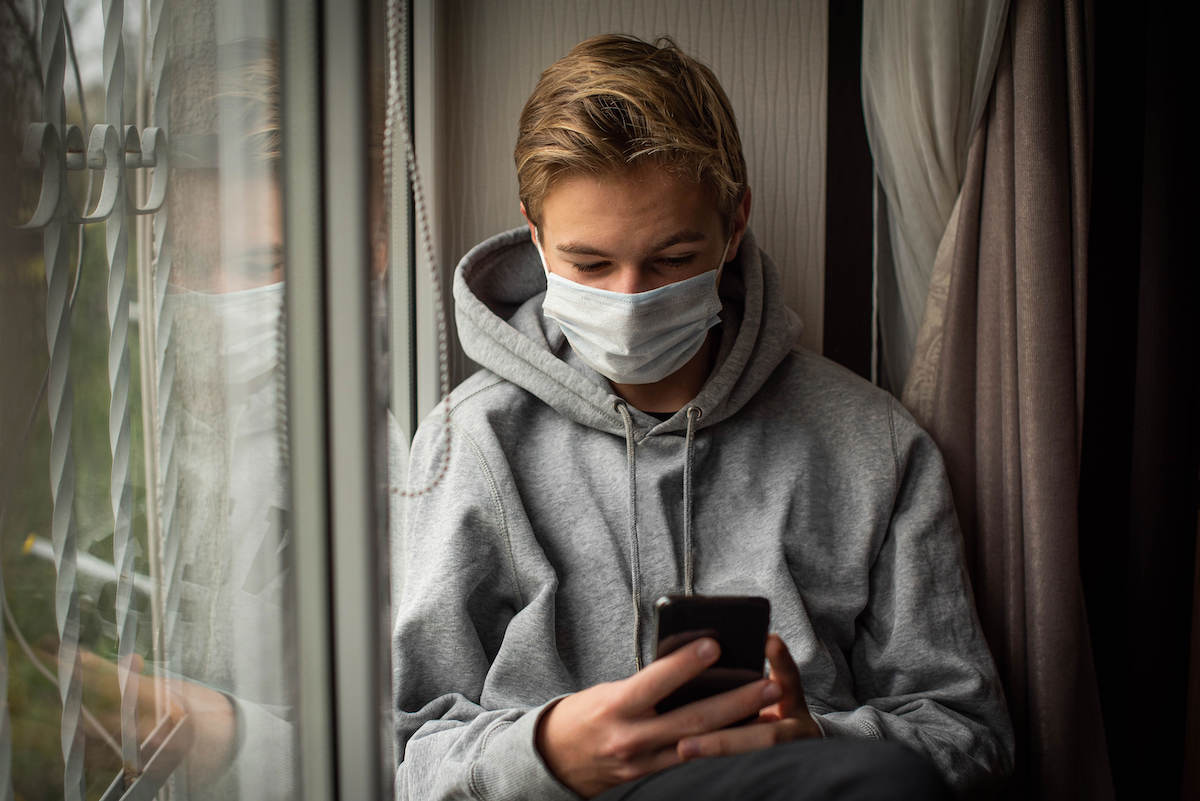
927, 69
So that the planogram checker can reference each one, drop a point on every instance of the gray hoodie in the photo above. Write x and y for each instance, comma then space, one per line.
558, 514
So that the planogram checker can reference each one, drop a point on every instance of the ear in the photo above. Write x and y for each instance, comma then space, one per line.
741, 219
533, 232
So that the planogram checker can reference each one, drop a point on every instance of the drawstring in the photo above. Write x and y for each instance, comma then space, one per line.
693, 414
634, 556
688, 562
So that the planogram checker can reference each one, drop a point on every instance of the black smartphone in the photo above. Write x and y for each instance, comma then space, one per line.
739, 625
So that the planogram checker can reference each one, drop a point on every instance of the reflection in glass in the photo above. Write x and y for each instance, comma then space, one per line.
198, 599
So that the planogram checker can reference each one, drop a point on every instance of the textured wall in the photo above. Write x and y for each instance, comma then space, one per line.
770, 56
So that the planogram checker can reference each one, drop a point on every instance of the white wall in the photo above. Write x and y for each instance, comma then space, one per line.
476, 61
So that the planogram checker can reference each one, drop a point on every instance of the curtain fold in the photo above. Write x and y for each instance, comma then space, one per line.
927, 68
998, 381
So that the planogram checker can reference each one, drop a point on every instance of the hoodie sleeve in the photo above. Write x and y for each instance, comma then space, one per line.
922, 668
458, 594
263, 753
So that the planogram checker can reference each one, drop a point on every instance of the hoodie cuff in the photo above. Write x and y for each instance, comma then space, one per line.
512, 769
834, 727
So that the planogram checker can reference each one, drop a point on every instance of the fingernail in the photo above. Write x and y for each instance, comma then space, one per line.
689, 749
772, 693
707, 649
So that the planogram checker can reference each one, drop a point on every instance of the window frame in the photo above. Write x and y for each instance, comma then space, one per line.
338, 515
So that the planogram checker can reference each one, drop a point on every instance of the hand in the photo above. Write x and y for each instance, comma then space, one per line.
101, 686
211, 716
610, 734
782, 722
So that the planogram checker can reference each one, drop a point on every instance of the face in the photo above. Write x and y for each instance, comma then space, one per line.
252, 253
634, 231
241, 246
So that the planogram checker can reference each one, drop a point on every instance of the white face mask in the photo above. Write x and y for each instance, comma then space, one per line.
247, 323
635, 338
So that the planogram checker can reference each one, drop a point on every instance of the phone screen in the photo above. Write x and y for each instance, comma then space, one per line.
737, 623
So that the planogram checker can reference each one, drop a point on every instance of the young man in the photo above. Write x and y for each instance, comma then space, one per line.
645, 425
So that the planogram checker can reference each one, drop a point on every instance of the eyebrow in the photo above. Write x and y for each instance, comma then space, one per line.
680, 237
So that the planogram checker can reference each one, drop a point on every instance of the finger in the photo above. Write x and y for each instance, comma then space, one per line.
663, 758
177, 707
95, 663
741, 740
785, 672
663, 676
99, 678
621, 771
709, 714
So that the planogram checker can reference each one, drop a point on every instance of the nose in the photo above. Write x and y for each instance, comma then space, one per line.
629, 279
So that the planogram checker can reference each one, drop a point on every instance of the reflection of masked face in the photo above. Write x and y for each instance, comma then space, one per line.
230, 460
227, 345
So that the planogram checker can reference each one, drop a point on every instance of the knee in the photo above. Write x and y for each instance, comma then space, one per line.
886, 771
861, 770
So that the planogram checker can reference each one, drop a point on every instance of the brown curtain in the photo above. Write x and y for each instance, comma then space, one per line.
1001, 360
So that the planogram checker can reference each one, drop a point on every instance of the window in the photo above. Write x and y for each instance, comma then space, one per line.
192, 419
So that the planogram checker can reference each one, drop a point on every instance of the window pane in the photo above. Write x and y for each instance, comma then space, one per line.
144, 503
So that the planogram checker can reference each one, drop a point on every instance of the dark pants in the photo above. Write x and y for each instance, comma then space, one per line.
840, 769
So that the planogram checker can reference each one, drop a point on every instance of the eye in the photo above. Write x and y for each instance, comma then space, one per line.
256, 263
255, 268
677, 261
589, 267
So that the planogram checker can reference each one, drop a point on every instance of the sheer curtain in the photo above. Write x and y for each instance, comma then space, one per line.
998, 373
927, 69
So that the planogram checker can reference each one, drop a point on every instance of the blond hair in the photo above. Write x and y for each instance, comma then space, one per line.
615, 101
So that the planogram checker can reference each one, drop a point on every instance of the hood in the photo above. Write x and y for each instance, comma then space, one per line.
498, 291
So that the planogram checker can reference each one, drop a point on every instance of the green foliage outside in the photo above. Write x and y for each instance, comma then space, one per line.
33, 702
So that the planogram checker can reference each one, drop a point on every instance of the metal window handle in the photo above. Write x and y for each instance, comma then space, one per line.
104, 153
154, 155
44, 148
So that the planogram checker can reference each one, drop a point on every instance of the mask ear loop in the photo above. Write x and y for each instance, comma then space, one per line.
721, 266
541, 253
